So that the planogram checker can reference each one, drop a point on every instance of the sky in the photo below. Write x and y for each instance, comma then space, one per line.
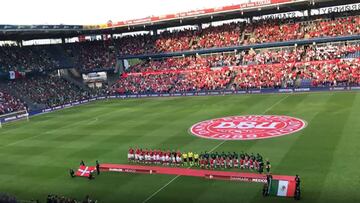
80, 12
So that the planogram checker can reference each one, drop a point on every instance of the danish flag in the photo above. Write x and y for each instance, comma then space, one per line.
84, 171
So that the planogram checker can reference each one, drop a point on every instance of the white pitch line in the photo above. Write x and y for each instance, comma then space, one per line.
217, 146
43, 133
272, 106
268, 109
159, 190
93, 121
214, 148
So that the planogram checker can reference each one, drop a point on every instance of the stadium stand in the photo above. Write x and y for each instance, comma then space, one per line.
7, 198
49, 90
302, 66
319, 73
102, 54
51, 198
23, 59
309, 65
249, 57
92, 55
9, 103
261, 31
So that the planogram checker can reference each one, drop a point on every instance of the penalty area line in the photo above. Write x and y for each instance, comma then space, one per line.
214, 148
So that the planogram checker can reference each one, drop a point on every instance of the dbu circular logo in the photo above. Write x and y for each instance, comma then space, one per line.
249, 127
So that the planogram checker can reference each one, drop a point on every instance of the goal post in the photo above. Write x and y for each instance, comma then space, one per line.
14, 116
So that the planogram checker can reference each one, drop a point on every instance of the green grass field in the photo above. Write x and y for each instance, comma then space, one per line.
35, 156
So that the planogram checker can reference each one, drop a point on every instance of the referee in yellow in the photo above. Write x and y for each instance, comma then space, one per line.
185, 159
196, 159
191, 158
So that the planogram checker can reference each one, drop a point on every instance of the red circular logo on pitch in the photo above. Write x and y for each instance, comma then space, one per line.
249, 127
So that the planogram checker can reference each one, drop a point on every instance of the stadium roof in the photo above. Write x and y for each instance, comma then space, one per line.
262, 7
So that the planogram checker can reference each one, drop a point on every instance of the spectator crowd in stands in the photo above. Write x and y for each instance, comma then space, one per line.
266, 68
7, 198
102, 54
250, 57
261, 31
92, 55
173, 82
50, 91
14, 58
62, 199
319, 65
9, 103
318, 73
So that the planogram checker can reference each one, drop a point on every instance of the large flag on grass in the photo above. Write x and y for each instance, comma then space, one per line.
283, 188
84, 171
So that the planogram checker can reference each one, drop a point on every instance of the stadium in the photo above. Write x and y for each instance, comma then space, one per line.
251, 102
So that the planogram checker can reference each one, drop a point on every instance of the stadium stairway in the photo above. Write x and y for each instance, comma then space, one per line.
231, 83
242, 36
191, 42
68, 75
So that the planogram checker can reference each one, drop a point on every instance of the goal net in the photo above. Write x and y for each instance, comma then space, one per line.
14, 116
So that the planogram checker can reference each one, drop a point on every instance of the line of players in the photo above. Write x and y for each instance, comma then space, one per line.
163, 157
207, 160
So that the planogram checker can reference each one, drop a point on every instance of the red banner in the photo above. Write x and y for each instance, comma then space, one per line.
237, 178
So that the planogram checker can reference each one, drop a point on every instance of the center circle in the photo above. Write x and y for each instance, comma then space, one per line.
248, 127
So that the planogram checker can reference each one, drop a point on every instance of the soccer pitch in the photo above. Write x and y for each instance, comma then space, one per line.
35, 156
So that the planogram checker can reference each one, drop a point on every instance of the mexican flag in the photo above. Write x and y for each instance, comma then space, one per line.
84, 171
282, 188
16, 74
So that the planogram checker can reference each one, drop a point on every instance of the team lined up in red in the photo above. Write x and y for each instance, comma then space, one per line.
206, 160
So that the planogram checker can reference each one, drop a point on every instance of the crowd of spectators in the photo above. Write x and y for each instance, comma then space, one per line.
48, 90
14, 58
260, 68
344, 72
286, 55
102, 54
92, 55
174, 82
318, 73
5, 198
266, 68
334, 27
249, 57
62, 199
9, 103
260, 31
213, 36
180, 63
289, 29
